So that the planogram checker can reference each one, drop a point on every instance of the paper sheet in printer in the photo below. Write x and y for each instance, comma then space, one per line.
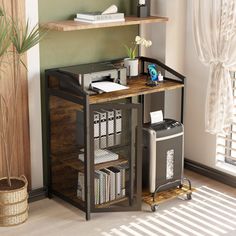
106, 86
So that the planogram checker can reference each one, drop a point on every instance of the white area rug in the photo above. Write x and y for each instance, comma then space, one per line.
209, 213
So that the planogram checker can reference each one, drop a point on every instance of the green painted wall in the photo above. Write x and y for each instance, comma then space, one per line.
69, 48
84, 46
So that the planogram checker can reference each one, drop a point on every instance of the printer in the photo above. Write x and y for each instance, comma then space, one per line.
82, 76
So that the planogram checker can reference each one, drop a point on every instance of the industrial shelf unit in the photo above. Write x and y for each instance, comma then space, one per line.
64, 147
63, 164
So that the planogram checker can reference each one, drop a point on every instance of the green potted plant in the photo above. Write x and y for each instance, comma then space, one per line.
131, 62
15, 40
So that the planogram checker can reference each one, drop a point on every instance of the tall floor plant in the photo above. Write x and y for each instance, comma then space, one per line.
16, 38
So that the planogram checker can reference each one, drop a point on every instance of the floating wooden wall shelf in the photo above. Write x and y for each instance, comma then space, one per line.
71, 25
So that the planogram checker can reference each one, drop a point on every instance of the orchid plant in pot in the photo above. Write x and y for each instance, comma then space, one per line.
16, 38
131, 62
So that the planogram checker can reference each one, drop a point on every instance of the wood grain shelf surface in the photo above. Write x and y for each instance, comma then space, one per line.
76, 164
165, 195
71, 194
137, 86
70, 25
107, 204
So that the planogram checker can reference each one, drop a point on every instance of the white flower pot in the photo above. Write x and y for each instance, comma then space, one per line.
132, 66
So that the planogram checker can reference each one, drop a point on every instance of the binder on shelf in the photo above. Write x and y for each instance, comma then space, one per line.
102, 186
107, 128
118, 119
102, 129
110, 128
111, 140
118, 126
110, 120
117, 181
103, 124
103, 142
96, 125
108, 184
81, 187
96, 143
123, 169
96, 188
80, 127
112, 184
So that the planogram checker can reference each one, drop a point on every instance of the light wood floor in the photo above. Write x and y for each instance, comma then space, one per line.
55, 217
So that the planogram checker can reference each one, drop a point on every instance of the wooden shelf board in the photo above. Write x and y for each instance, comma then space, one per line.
165, 195
107, 204
71, 25
137, 86
71, 193
76, 164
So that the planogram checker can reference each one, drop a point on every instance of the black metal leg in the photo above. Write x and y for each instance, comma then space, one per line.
189, 183
49, 194
163, 185
155, 192
182, 105
88, 217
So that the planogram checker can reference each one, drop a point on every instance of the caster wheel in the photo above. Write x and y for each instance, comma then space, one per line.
189, 196
154, 208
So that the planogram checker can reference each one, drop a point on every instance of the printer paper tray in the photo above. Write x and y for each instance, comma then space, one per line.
106, 86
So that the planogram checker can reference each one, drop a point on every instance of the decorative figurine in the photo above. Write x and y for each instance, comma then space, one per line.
143, 9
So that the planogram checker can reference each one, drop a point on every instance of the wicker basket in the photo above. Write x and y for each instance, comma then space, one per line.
14, 205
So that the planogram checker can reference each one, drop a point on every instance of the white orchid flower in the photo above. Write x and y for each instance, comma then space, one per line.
131, 51
138, 40
143, 42
148, 43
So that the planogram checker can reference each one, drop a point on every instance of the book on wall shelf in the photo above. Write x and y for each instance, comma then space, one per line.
98, 17
98, 21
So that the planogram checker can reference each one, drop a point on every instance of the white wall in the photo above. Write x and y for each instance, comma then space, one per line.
175, 48
34, 102
199, 145
173, 44
168, 45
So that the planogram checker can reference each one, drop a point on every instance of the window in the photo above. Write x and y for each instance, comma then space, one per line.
226, 144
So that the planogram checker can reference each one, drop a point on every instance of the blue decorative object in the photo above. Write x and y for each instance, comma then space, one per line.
153, 72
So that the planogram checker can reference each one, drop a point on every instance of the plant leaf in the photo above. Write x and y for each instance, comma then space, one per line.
5, 30
128, 51
24, 39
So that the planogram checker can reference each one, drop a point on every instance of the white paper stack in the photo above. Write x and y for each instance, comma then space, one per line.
101, 156
107, 86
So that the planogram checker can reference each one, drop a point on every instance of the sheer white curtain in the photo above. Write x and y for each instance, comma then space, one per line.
214, 26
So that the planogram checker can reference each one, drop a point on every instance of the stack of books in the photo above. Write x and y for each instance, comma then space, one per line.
109, 184
98, 17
